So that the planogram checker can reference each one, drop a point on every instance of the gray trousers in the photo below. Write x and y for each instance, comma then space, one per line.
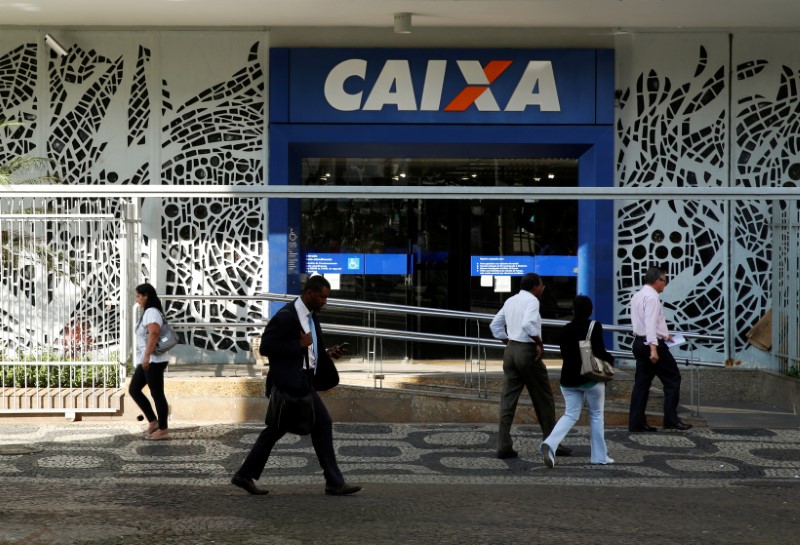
522, 368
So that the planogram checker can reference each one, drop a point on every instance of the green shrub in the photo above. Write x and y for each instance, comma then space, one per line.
59, 376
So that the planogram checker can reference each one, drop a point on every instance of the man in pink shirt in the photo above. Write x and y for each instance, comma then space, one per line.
653, 358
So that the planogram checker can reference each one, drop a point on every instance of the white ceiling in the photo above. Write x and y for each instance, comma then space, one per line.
611, 15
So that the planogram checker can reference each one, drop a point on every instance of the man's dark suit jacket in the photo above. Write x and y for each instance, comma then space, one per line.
280, 342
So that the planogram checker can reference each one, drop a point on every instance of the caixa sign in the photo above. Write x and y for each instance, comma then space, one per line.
442, 86
394, 87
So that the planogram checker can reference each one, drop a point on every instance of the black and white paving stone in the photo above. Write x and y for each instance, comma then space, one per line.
410, 453
90, 483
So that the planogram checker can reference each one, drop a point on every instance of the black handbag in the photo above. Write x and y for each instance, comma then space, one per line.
289, 412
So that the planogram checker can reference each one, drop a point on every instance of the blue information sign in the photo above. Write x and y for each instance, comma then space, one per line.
520, 265
335, 263
357, 263
501, 265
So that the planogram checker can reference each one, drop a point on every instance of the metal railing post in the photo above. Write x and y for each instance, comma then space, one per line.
695, 382
467, 356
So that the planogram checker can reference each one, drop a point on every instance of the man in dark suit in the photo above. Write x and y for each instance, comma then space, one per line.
299, 363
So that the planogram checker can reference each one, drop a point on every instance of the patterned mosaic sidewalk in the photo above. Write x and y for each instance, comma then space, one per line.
398, 453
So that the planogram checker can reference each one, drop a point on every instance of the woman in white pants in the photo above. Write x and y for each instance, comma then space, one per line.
575, 388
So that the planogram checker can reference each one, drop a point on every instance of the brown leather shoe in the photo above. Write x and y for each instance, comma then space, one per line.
247, 483
342, 490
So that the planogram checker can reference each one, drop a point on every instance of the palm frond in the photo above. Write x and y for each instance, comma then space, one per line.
26, 169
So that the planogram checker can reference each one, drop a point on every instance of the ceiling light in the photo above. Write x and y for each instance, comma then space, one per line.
402, 23
551, 176
53, 44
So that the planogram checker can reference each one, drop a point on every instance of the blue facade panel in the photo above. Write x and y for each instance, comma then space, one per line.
304, 124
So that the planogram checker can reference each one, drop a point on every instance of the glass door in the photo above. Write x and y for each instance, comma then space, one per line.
439, 238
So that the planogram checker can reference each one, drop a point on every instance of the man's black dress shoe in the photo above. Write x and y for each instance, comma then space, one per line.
507, 454
341, 490
680, 426
563, 451
247, 483
643, 429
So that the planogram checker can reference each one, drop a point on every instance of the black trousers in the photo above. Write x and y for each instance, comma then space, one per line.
666, 369
154, 379
321, 439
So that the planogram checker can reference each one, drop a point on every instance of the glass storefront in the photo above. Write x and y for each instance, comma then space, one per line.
439, 237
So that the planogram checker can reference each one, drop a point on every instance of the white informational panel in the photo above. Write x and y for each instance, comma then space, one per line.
335, 280
502, 284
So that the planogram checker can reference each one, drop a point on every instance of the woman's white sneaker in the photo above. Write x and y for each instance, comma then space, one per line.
548, 456
608, 461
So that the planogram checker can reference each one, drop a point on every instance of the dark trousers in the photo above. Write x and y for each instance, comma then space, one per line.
666, 369
321, 439
154, 379
522, 369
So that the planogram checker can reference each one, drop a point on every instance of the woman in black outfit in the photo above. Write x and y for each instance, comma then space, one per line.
575, 388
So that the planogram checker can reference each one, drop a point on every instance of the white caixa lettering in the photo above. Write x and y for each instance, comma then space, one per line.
394, 87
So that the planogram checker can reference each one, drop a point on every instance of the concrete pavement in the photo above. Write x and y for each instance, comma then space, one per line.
102, 483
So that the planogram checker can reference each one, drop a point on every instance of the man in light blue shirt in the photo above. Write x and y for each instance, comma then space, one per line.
519, 325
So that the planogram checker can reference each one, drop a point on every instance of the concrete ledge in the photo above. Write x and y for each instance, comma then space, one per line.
750, 385
211, 399
781, 391
437, 398
237, 400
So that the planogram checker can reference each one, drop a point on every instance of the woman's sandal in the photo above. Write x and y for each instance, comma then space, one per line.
159, 435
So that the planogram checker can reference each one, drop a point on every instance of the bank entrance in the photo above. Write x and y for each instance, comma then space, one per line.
428, 248
366, 119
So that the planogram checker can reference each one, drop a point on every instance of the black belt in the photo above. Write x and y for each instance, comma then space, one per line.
643, 338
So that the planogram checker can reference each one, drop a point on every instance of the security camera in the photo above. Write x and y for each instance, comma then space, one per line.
53, 44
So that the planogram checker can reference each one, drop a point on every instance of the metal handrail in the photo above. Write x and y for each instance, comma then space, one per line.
604, 192
352, 304
400, 335
376, 333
